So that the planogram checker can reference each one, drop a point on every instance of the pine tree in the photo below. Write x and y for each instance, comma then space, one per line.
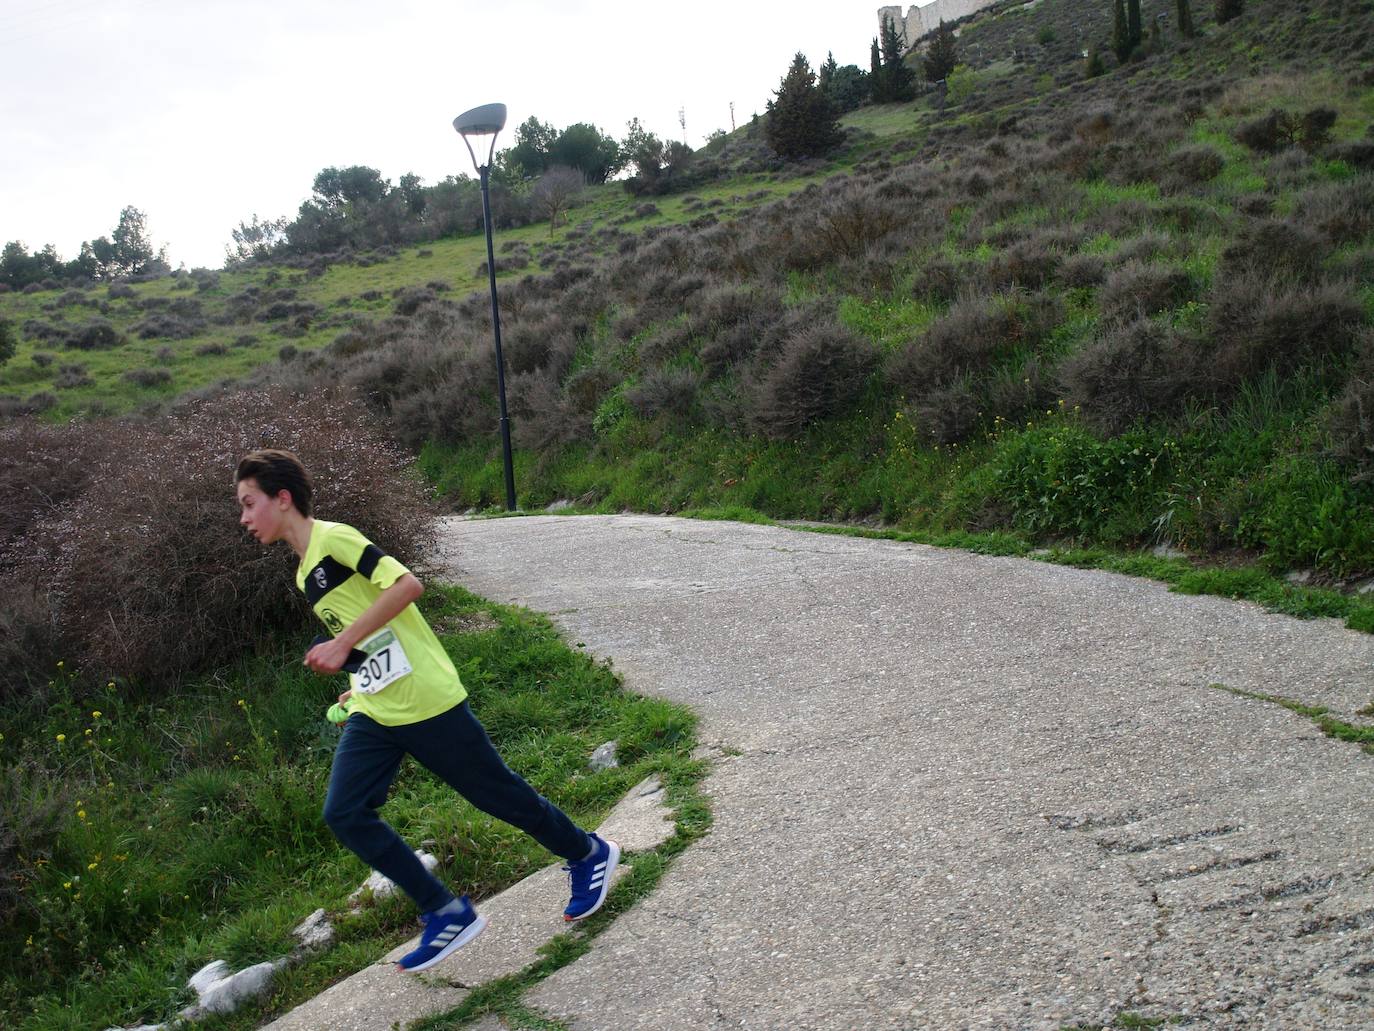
901, 81
1185, 20
1121, 33
877, 75
1228, 9
826, 75
1133, 26
942, 54
801, 121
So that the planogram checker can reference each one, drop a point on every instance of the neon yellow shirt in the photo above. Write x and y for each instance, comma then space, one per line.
341, 574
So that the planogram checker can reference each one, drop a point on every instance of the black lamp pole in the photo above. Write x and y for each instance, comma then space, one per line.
482, 121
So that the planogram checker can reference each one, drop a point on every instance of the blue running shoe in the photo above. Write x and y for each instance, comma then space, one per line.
589, 879
444, 934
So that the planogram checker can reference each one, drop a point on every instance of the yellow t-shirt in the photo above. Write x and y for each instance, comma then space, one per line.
341, 574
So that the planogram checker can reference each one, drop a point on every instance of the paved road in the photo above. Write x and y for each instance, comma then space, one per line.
969, 792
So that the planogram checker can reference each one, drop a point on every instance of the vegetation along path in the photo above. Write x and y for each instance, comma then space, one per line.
965, 791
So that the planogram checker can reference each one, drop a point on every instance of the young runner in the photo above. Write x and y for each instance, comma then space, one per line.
404, 698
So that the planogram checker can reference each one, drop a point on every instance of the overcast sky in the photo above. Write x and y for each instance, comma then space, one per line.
202, 113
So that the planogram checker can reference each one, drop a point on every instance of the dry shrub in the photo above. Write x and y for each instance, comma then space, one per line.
1273, 248
148, 377
1257, 323
733, 321
1083, 270
817, 372
540, 415
1029, 264
939, 279
1137, 289
965, 341
1189, 166
149, 576
947, 414
1344, 211
1130, 372
95, 336
666, 391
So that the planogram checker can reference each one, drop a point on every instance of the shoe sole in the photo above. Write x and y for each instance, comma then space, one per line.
469, 932
612, 861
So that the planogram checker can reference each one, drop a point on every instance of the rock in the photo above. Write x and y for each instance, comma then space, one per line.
1299, 576
1167, 551
559, 505
209, 975
1365, 587
1039, 553
315, 931
604, 757
642, 819
383, 887
229, 993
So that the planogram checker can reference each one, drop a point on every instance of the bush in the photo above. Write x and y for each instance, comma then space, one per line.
1083, 270
1129, 373
148, 377
966, 340
34, 809
148, 575
1344, 211
818, 371
1196, 164
95, 336
1273, 248
172, 327
1257, 324
1137, 289
670, 391
69, 377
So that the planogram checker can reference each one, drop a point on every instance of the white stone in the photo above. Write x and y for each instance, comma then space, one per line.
207, 976
604, 757
229, 993
382, 886
315, 931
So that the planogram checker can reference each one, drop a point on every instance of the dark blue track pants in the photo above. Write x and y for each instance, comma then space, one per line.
454, 747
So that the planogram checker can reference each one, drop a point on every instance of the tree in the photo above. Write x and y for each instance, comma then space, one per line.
659, 167
127, 252
586, 148
1121, 32
255, 240
801, 121
358, 184
556, 191
1185, 19
531, 150
942, 54
877, 74
849, 87
1229, 9
827, 72
901, 80
1133, 28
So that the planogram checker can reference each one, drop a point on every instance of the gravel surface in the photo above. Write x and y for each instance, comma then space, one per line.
964, 792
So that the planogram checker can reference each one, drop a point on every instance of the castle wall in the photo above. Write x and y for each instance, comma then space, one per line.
919, 20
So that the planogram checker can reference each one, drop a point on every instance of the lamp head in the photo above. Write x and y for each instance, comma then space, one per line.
487, 120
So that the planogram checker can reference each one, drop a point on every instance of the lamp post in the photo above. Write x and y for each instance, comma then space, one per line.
488, 120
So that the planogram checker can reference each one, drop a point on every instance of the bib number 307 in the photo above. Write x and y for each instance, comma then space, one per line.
386, 663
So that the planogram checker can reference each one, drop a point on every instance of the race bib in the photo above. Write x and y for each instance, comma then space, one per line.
385, 664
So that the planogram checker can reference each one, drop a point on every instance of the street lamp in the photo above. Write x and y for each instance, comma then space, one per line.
488, 120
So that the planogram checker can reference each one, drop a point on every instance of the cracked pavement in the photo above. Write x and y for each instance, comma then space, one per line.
970, 792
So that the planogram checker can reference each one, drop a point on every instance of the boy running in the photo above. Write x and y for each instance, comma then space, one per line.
405, 698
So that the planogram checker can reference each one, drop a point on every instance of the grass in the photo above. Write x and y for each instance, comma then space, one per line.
1329, 725
192, 828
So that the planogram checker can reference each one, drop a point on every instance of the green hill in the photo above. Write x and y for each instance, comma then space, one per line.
1127, 309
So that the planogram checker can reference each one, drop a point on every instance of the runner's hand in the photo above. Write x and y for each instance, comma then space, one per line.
327, 656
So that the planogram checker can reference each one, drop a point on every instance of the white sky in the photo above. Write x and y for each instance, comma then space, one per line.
202, 113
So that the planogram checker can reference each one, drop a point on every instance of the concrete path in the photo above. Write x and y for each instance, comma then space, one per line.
969, 792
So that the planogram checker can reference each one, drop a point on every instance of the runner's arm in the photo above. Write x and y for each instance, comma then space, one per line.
330, 656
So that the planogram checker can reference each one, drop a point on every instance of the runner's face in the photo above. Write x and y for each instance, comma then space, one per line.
264, 516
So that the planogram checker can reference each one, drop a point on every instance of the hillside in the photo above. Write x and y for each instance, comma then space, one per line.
1128, 309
